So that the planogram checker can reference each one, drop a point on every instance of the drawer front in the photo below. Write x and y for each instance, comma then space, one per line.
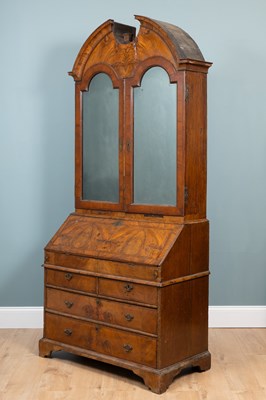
105, 340
111, 312
71, 303
128, 291
71, 280
138, 271
128, 315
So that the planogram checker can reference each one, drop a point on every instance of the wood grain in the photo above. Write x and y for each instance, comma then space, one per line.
111, 312
71, 281
121, 240
128, 291
101, 339
87, 265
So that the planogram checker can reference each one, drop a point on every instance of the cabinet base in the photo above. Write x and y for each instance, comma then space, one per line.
157, 380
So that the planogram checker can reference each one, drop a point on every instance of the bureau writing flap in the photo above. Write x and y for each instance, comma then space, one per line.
129, 240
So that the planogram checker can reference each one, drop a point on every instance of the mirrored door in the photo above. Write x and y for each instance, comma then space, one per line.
100, 139
155, 146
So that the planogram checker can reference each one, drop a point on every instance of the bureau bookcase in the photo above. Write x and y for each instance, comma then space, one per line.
126, 275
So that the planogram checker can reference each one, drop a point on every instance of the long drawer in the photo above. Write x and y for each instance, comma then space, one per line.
130, 270
112, 312
110, 341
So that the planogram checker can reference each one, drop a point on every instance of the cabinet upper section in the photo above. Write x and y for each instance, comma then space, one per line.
141, 121
117, 45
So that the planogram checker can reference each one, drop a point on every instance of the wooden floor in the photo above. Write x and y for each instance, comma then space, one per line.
238, 372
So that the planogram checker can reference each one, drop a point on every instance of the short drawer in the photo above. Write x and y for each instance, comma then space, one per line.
109, 341
71, 280
128, 291
112, 312
71, 303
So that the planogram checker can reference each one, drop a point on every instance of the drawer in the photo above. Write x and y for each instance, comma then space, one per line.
71, 280
128, 315
130, 270
128, 291
111, 312
71, 303
109, 341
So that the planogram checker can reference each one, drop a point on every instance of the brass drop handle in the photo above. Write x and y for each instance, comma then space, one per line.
68, 276
128, 287
127, 348
129, 317
68, 332
69, 304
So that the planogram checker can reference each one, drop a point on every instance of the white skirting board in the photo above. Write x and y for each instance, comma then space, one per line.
219, 317
21, 317
237, 316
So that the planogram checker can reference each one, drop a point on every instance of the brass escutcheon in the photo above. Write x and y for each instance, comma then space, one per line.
68, 276
128, 287
129, 317
127, 348
69, 304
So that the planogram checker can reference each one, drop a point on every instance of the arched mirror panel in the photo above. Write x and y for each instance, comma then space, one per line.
155, 144
100, 137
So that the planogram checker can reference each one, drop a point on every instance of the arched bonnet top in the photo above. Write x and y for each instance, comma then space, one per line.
117, 45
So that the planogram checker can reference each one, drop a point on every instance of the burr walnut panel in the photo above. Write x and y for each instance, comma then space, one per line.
115, 239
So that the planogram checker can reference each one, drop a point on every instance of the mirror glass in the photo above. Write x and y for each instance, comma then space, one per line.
100, 140
155, 139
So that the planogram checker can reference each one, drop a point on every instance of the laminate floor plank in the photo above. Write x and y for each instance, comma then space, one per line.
252, 341
238, 372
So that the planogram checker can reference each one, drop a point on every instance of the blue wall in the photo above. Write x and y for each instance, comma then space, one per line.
39, 43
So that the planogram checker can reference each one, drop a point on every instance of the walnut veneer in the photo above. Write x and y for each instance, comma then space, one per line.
127, 283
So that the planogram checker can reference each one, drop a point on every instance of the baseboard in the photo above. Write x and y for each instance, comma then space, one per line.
219, 317
237, 316
21, 317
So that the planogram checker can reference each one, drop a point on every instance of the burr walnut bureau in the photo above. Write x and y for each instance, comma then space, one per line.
126, 275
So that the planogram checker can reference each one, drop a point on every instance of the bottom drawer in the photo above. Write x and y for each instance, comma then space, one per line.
101, 339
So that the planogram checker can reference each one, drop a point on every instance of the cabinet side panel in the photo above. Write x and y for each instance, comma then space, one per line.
183, 322
174, 324
196, 148
199, 315
199, 261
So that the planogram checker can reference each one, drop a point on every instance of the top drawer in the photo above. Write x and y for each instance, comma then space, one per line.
70, 280
128, 291
104, 267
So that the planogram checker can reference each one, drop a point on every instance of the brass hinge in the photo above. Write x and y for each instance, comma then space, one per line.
128, 146
186, 195
187, 93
